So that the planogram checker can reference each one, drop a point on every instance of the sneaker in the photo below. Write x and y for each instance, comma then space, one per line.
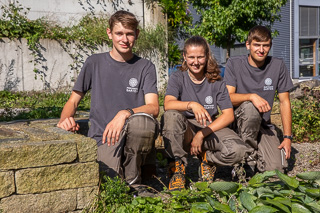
206, 170
178, 181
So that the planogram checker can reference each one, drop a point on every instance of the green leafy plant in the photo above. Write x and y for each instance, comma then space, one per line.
35, 105
260, 194
306, 119
113, 194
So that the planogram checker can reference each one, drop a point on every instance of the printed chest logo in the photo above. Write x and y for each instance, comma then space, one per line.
268, 84
133, 82
208, 100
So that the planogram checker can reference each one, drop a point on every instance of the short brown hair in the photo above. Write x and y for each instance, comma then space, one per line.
259, 33
126, 18
211, 70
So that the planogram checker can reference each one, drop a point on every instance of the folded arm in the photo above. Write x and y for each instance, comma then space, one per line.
236, 98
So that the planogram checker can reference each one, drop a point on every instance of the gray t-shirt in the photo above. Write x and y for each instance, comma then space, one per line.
114, 86
209, 95
263, 81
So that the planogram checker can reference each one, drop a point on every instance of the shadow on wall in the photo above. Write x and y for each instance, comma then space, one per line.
11, 81
88, 6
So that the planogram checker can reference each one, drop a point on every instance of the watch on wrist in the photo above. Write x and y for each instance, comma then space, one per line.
130, 110
288, 136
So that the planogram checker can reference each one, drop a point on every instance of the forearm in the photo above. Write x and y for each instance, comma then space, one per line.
151, 109
221, 122
177, 105
70, 107
286, 117
238, 99
69, 110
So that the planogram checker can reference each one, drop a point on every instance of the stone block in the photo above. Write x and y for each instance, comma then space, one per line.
46, 179
34, 154
6, 184
58, 201
87, 149
86, 195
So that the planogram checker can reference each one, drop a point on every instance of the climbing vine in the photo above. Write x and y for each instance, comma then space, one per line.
77, 40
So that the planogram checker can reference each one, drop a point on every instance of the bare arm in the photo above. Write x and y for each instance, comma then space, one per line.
285, 110
66, 119
112, 131
200, 113
221, 122
236, 98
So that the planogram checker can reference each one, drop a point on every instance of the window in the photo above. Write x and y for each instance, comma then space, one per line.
309, 21
307, 48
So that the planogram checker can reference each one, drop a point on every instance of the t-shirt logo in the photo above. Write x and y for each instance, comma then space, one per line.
209, 101
133, 82
268, 83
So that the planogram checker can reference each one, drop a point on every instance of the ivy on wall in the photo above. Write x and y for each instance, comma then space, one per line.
88, 34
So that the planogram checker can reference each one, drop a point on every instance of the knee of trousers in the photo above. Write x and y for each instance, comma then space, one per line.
235, 150
141, 132
248, 115
173, 121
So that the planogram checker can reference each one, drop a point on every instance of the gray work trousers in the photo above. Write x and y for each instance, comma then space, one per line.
223, 147
263, 138
134, 149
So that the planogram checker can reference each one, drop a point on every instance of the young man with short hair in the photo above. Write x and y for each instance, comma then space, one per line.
253, 81
124, 102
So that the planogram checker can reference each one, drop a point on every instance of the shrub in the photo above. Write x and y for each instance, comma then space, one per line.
306, 119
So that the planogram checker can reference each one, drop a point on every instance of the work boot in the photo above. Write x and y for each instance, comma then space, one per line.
206, 170
178, 180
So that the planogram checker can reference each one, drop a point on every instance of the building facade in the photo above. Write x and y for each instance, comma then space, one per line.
298, 40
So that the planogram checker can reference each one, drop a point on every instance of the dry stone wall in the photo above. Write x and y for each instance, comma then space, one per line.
45, 169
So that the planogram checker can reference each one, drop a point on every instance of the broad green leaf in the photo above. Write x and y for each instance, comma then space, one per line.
201, 207
176, 206
314, 206
263, 209
302, 189
298, 208
265, 192
277, 204
259, 178
218, 206
317, 181
232, 205
201, 185
285, 201
247, 200
229, 187
291, 182
313, 192
314, 175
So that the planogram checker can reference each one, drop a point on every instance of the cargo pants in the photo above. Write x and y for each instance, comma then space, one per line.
134, 149
223, 147
260, 136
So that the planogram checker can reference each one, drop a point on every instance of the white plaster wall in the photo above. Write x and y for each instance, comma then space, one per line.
17, 63
66, 12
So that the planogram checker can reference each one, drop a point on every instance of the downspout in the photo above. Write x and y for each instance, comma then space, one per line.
290, 68
143, 14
